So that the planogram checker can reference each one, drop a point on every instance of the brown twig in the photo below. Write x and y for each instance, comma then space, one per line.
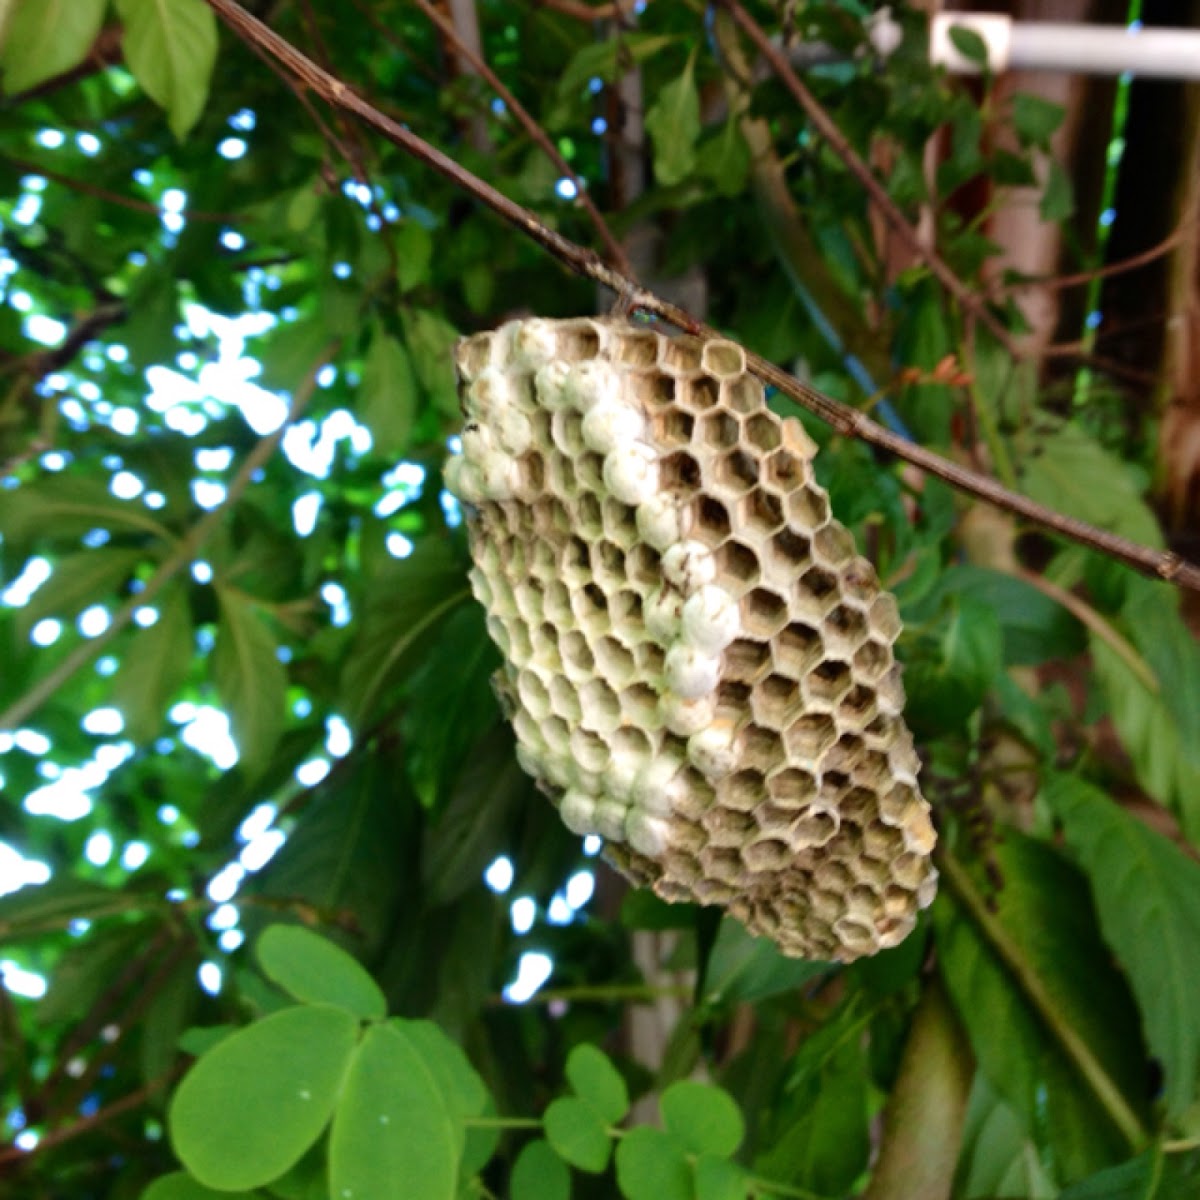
971, 301
537, 134
587, 12
841, 417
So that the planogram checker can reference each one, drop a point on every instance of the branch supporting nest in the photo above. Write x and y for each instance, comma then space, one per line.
841, 417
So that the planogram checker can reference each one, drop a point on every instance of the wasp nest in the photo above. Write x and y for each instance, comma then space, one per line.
698, 665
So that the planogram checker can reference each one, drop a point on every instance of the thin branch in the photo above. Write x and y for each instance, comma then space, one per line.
845, 420
182, 557
825, 125
1030, 984
588, 12
537, 134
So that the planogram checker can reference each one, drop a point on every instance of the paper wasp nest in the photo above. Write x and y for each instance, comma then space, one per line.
698, 666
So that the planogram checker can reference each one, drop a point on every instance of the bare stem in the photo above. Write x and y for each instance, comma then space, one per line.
845, 420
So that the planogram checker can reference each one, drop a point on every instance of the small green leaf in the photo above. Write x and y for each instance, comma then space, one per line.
171, 49
1058, 198
651, 1165
154, 666
393, 1134
719, 1179
250, 679
388, 399
1147, 895
181, 1186
258, 1099
1035, 120
577, 1134
592, 1074
725, 159
431, 340
44, 38
539, 1174
969, 44
705, 1118
606, 59
414, 254
313, 970
673, 123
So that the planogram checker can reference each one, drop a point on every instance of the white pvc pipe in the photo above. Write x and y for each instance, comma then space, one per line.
1077, 49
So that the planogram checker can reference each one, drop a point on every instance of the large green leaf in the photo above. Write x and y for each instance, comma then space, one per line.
154, 666
258, 1100
393, 1133
1147, 895
1151, 736
250, 679
79, 580
43, 38
67, 507
181, 1186
673, 123
312, 969
999, 1160
1045, 914
171, 48
388, 399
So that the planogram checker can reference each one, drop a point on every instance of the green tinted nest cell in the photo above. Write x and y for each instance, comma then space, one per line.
698, 666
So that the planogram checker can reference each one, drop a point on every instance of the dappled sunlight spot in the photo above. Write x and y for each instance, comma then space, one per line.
335, 596
580, 889
32, 741
208, 494
310, 773
213, 458
223, 886
302, 707
305, 511
522, 913
243, 120
26, 210
103, 722
107, 665
50, 139
45, 330
499, 875
207, 731
17, 871
18, 593
93, 621
210, 978
258, 852
124, 421
98, 849
451, 509
66, 798
88, 143
231, 940
398, 546
224, 916
168, 814
231, 148
28, 984
95, 538
134, 855
533, 970
559, 912
46, 632
125, 485
232, 240
155, 500
311, 449
592, 845
338, 739
257, 823
202, 572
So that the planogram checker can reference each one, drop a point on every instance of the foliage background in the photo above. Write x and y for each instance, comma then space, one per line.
243, 682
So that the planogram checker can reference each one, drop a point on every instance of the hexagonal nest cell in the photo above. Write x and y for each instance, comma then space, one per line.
698, 664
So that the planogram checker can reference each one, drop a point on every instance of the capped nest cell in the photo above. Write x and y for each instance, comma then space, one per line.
698, 665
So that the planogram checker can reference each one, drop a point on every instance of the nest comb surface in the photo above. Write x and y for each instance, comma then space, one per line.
698, 665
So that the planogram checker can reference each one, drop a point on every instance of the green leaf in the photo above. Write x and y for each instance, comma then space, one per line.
44, 38
313, 970
181, 1186
255, 1103
725, 159
51, 906
250, 679
998, 1158
1151, 1176
171, 48
1045, 912
1151, 736
969, 44
431, 339
1058, 198
673, 123
388, 398
591, 1073
154, 666
743, 969
414, 254
705, 1118
67, 507
608, 59
393, 1134
167, 1016
651, 1165
539, 1174
1034, 119
577, 1134
1071, 472
719, 1179
1147, 895
78, 580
